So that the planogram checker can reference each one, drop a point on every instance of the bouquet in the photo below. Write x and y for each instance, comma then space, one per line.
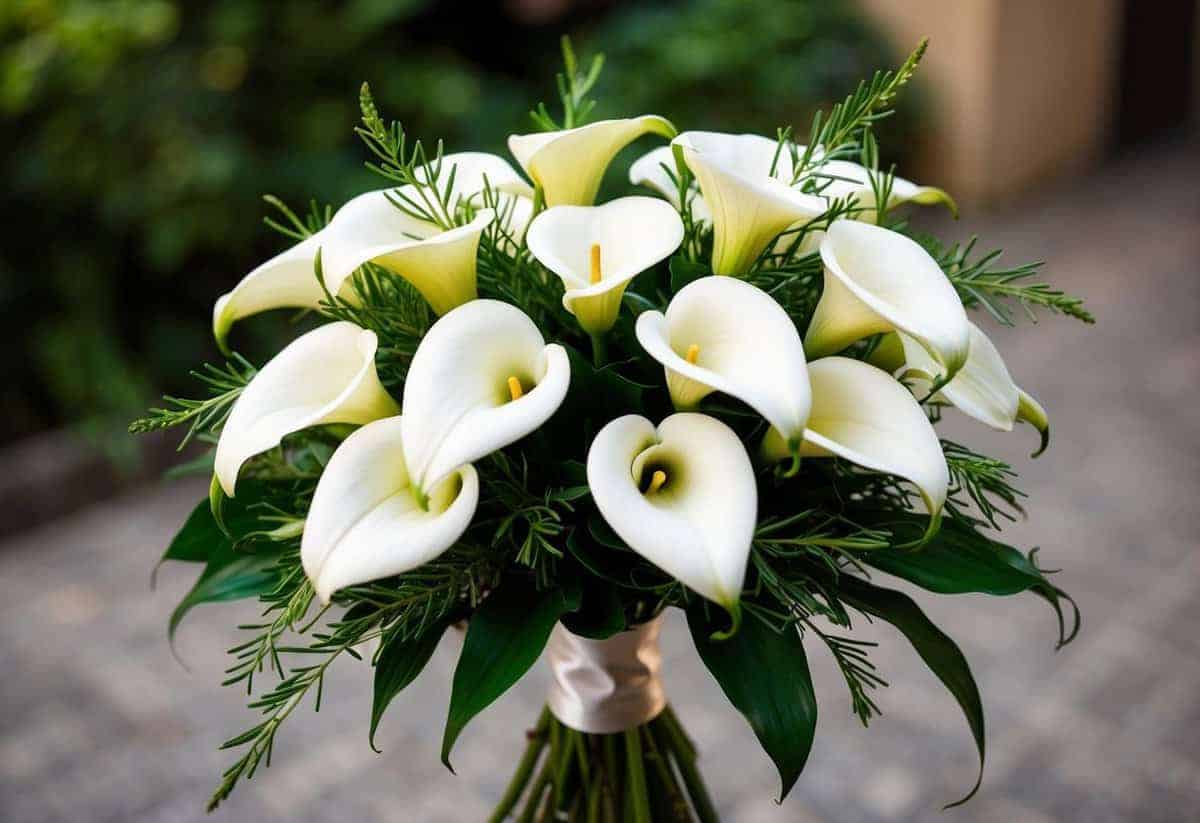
543, 421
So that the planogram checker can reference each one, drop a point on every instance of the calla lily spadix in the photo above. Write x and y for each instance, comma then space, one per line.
440, 264
750, 206
841, 179
325, 376
568, 165
877, 280
650, 170
483, 377
366, 520
860, 413
597, 250
982, 389
682, 495
723, 334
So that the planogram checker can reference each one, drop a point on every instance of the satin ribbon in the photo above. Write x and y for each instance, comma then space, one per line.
606, 686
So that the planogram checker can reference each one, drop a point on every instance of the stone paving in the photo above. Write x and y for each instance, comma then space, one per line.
99, 723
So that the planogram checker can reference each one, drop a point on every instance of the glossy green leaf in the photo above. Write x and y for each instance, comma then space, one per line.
504, 638
765, 675
960, 560
399, 663
228, 575
684, 271
198, 537
939, 652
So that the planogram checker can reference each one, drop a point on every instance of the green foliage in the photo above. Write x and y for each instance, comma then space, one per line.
980, 283
938, 651
765, 675
399, 663
206, 415
505, 637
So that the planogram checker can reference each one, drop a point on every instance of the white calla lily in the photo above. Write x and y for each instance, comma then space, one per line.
750, 205
287, 279
843, 179
651, 170
861, 413
473, 172
597, 250
877, 280
371, 228
568, 165
325, 376
682, 495
483, 377
982, 389
366, 520
723, 334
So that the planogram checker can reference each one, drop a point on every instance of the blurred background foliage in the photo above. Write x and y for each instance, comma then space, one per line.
140, 135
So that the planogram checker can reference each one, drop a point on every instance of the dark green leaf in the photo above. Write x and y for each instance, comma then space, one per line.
400, 661
198, 538
939, 652
229, 575
959, 560
505, 636
600, 614
765, 675
684, 271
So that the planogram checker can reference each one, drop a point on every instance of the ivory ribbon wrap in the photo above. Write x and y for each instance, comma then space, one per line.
606, 686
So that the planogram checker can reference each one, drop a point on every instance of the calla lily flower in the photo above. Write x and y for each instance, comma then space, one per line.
650, 170
440, 264
722, 334
862, 414
325, 376
681, 495
750, 206
371, 228
483, 377
877, 280
366, 520
568, 165
597, 250
854, 181
982, 389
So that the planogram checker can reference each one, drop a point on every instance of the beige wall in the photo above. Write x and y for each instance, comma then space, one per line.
1023, 90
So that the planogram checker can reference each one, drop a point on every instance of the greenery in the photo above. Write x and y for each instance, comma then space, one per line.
538, 551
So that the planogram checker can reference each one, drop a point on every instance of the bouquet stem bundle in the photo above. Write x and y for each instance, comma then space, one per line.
642, 774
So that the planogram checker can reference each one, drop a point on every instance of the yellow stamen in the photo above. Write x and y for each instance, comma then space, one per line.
514, 388
657, 481
595, 262
692, 353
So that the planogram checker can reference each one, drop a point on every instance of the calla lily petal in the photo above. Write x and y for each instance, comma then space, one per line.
325, 376
877, 280
287, 279
475, 171
568, 165
722, 334
683, 496
750, 205
861, 413
482, 378
366, 522
1030, 411
597, 250
439, 263
852, 180
982, 389
650, 170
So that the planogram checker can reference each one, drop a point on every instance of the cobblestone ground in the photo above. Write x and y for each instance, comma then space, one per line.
99, 723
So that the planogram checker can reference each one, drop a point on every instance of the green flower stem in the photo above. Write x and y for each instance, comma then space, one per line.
520, 780
599, 350
644, 775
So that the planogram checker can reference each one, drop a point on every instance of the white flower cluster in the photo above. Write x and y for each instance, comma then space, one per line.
402, 488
